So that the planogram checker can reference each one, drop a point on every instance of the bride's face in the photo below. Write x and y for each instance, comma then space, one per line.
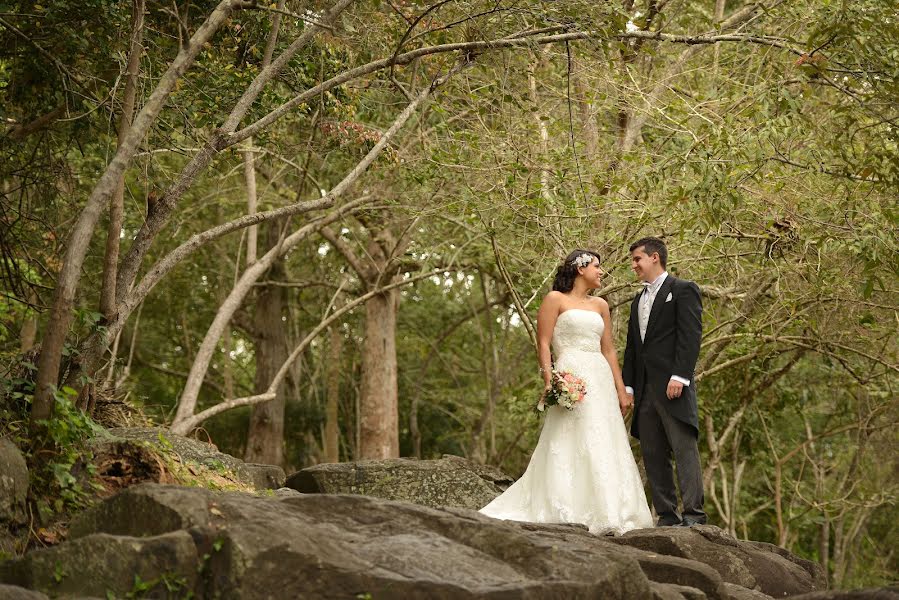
592, 273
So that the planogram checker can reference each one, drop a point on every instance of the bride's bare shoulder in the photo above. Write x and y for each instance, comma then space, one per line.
552, 302
554, 297
601, 305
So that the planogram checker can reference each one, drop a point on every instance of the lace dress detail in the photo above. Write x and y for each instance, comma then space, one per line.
582, 470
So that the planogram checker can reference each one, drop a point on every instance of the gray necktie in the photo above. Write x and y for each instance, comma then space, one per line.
645, 308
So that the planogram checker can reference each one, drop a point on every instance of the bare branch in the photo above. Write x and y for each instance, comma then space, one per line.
79, 240
155, 222
482, 46
188, 400
184, 426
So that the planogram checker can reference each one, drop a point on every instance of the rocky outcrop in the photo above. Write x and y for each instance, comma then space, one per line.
13, 482
187, 451
449, 481
13, 493
13, 592
891, 593
751, 565
178, 541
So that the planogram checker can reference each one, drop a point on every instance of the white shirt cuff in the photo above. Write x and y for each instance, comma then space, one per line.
680, 379
628, 389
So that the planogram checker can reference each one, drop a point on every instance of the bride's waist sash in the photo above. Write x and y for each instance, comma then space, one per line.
569, 350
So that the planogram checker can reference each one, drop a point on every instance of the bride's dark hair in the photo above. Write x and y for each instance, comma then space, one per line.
567, 271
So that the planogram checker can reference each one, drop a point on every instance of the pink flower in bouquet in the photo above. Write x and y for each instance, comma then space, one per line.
566, 389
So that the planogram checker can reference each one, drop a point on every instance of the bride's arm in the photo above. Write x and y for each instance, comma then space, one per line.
546, 323
607, 346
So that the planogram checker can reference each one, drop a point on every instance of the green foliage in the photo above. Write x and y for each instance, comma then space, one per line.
169, 582
770, 171
63, 479
59, 572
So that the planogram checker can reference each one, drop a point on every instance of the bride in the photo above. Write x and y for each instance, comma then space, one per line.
582, 470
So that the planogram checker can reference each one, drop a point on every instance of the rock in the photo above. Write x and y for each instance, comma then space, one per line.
750, 565
189, 450
285, 492
681, 573
262, 477
816, 573
13, 592
101, 564
141, 515
890, 593
13, 483
670, 591
737, 592
316, 545
239, 545
449, 481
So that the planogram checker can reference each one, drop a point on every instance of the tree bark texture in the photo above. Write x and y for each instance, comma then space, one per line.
188, 401
332, 369
28, 332
117, 203
252, 200
82, 231
378, 405
265, 438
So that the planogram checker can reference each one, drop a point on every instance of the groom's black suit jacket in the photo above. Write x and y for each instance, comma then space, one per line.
671, 347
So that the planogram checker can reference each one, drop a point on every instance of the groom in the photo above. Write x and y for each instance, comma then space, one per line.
663, 339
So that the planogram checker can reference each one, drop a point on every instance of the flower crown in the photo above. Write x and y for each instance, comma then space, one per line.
583, 260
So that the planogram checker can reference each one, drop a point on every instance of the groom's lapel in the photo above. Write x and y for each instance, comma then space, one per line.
657, 304
634, 321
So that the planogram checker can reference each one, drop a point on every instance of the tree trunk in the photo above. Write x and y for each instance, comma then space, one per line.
541, 122
224, 282
824, 546
265, 439
252, 201
28, 332
332, 425
589, 129
188, 401
485, 451
79, 239
117, 202
378, 405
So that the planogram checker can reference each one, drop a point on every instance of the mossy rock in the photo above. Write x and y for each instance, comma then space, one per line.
448, 481
203, 464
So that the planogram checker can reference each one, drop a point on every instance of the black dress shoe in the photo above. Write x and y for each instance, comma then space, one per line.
688, 522
667, 522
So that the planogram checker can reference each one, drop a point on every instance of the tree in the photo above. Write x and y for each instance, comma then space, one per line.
757, 137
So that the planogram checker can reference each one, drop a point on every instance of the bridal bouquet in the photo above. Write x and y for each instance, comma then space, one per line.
567, 389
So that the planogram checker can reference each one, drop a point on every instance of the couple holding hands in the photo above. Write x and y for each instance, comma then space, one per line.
583, 470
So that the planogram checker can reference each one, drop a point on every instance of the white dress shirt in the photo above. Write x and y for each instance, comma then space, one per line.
644, 308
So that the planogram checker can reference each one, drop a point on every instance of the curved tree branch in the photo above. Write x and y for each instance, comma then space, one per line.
187, 423
188, 400
79, 240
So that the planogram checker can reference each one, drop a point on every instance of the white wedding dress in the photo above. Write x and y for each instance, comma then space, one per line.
582, 470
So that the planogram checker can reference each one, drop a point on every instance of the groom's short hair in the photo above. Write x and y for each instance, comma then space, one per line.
650, 245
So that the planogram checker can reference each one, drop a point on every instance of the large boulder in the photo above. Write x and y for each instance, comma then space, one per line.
14, 592
751, 565
13, 493
13, 483
448, 481
244, 546
310, 546
187, 451
890, 593
105, 566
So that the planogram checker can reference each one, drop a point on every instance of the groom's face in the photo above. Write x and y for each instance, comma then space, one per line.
644, 265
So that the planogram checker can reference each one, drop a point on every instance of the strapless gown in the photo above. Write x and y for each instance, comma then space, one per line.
582, 470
